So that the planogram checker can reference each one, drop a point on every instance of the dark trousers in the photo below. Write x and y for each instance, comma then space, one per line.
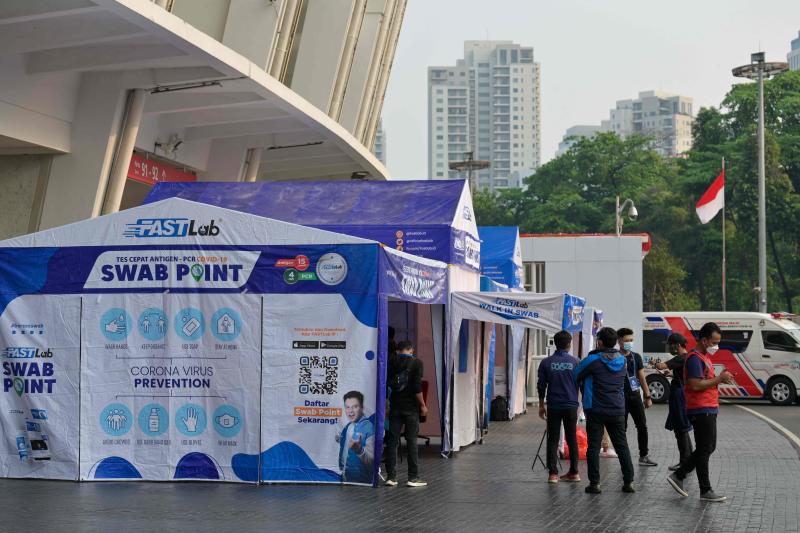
555, 417
615, 425
684, 444
635, 408
396, 421
705, 442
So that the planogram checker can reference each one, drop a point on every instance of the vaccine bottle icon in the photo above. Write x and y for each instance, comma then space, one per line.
152, 420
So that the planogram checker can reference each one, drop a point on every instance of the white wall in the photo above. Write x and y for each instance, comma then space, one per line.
606, 270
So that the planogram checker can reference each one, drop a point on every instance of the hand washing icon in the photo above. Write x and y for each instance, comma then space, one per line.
227, 421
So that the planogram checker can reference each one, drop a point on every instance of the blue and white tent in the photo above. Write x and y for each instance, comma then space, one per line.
180, 340
427, 218
431, 219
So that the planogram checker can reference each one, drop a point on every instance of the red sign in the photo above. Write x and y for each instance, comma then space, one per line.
300, 263
151, 172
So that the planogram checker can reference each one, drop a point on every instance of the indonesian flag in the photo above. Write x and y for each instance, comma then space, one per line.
712, 200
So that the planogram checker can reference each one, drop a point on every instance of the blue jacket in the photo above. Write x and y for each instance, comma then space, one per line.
357, 469
603, 374
555, 378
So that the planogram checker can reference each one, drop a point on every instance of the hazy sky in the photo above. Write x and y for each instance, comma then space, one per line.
592, 53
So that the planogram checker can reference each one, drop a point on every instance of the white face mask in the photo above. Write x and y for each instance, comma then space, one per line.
712, 350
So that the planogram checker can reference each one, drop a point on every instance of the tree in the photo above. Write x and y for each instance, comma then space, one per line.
575, 193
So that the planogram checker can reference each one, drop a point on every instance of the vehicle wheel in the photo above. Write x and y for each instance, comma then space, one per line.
781, 391
659, 388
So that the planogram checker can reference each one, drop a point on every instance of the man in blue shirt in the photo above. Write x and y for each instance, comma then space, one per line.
356, 442
556, 383
602, 375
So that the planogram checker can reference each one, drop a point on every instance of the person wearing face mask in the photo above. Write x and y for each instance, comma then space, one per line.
702, 406
635, 384
677, 419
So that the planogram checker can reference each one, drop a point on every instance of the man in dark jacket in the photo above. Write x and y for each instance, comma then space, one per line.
555, 381
406, 405
602, 376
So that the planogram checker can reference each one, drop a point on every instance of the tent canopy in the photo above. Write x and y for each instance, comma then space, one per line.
550, 312
431, 219
501, 255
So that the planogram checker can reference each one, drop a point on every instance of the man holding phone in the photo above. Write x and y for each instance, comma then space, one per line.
702, 406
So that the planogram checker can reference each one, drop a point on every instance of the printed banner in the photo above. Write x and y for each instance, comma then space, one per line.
413, 279
318, 397
168, 386
40, 353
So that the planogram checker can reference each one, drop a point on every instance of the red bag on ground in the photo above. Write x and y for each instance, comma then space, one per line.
583, 444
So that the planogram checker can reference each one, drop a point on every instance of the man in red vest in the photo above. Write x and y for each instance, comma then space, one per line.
702, 405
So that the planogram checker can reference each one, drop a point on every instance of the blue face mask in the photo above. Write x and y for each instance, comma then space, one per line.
627, 346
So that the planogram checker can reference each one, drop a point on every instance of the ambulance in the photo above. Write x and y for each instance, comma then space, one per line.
761, 350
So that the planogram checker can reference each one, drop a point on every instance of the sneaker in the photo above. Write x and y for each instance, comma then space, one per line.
677, 484
571, 476
674, 467
646, 461
416, 482
391, 482
712, 496
592, 488
608, 454
628, 487
553, 478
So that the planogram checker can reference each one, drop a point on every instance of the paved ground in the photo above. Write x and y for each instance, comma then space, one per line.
486, 487
786, 415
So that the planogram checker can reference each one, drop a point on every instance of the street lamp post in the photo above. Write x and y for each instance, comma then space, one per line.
758, 69
469, 164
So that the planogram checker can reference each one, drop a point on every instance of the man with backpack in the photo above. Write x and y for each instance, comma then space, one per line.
406, 405
556, 383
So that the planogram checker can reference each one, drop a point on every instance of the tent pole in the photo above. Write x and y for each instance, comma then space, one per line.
481, 386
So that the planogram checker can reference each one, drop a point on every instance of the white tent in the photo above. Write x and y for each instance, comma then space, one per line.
549, 312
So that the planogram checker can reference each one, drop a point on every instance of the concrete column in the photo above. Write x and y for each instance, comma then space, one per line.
346, 60
252, 164
374, 70
226, 160
122, 158
383, 78
77, 182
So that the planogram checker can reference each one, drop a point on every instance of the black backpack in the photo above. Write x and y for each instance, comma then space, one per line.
399, 375
499, 410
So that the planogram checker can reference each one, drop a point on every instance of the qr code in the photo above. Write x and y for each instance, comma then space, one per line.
319, 374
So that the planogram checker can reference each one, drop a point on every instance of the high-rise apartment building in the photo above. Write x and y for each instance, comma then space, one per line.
793, 57
487, 104
664, 117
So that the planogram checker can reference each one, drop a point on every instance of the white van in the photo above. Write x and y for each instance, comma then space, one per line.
762, 351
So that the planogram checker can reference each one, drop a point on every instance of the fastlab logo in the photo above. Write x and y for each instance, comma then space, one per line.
25, 352
170, 227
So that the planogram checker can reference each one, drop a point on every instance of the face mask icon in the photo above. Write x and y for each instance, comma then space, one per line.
227, 421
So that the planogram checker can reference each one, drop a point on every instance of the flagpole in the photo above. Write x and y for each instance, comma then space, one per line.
724, 258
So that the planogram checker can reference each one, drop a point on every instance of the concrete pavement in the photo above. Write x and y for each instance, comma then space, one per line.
485, 487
